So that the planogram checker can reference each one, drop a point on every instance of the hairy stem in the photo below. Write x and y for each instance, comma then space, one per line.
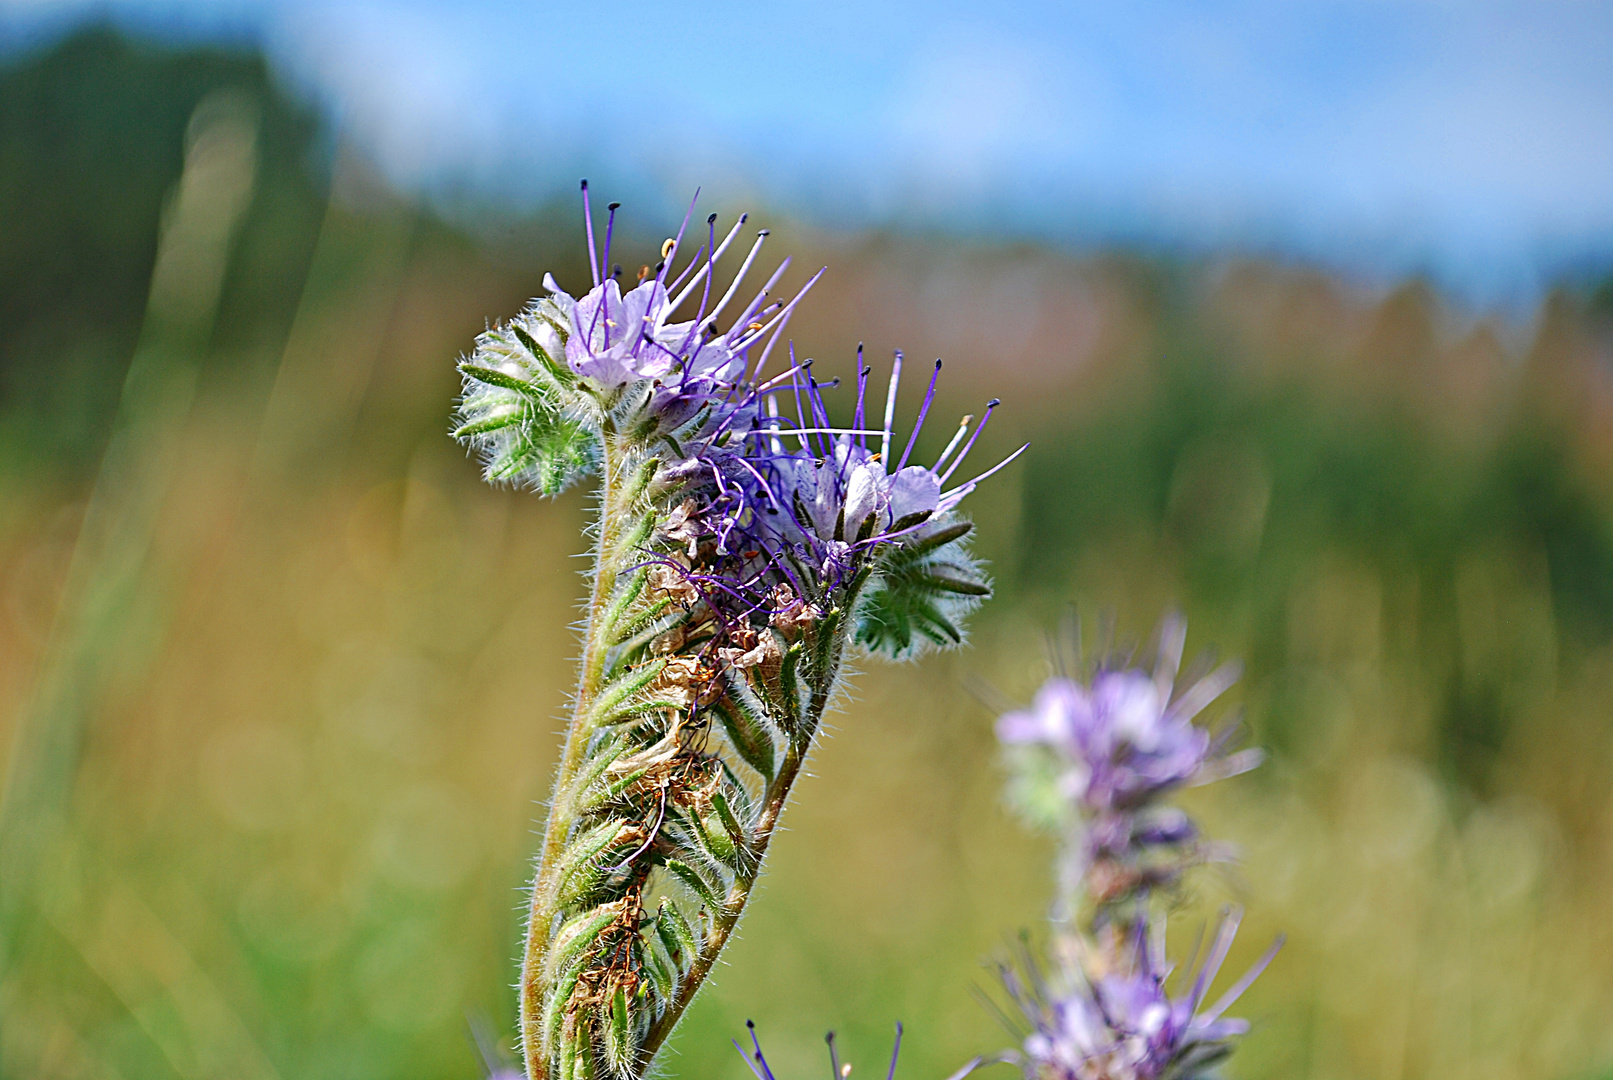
724, 921
540, 918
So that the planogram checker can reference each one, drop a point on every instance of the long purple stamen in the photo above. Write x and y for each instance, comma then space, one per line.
758, 1044
895, 1049
738, 330
862, 391
924, 409
705, 269
588, 228
744, 267
785, 314
994, 470
610, 224
705, 295
957, 437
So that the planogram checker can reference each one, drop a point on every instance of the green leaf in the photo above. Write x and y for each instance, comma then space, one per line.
696, 881
558, 372
504, 381
740, 713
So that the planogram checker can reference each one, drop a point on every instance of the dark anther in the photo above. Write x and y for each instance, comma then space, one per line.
993, 403
938, 365
765, 232
614, 206
585, 185
712, 220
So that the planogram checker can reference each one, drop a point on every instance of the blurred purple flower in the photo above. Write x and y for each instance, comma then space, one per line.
1102, 757
1129, 737
1122, 1023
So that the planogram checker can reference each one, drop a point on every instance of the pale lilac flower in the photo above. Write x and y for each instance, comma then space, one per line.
617, 338
1129, 737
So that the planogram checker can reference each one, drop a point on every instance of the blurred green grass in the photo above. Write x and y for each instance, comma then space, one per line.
274, 803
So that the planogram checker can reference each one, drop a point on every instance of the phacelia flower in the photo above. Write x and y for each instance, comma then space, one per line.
1113, 1018
1103, 755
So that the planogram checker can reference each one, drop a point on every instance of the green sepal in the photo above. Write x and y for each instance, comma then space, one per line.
677, 936
666, 981
615, 703
580, 876
621, 1050
790, 686
491, 424
730, 823
939, 539
696, 881
740, 714
554, 1009
715, 840
635, 538
627, 593
560, 374
504, 381
575, 937
944, 583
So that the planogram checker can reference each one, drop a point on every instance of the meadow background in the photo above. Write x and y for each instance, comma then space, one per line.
280, 677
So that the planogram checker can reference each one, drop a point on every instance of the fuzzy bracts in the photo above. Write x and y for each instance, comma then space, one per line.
740, 552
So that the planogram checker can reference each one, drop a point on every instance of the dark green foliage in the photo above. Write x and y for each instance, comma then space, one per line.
92, 139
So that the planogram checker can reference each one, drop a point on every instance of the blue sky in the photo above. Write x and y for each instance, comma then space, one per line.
1472, 140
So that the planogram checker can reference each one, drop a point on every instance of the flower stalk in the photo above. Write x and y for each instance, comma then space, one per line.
739, 554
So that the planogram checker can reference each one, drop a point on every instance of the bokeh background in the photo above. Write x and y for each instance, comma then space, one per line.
1306, 309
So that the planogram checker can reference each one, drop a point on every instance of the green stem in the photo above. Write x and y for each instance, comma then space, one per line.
614, 477
723, 923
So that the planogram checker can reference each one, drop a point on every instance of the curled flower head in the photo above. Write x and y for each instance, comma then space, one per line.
1113, 1017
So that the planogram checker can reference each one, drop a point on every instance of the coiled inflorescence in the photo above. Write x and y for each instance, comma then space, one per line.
744, 542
